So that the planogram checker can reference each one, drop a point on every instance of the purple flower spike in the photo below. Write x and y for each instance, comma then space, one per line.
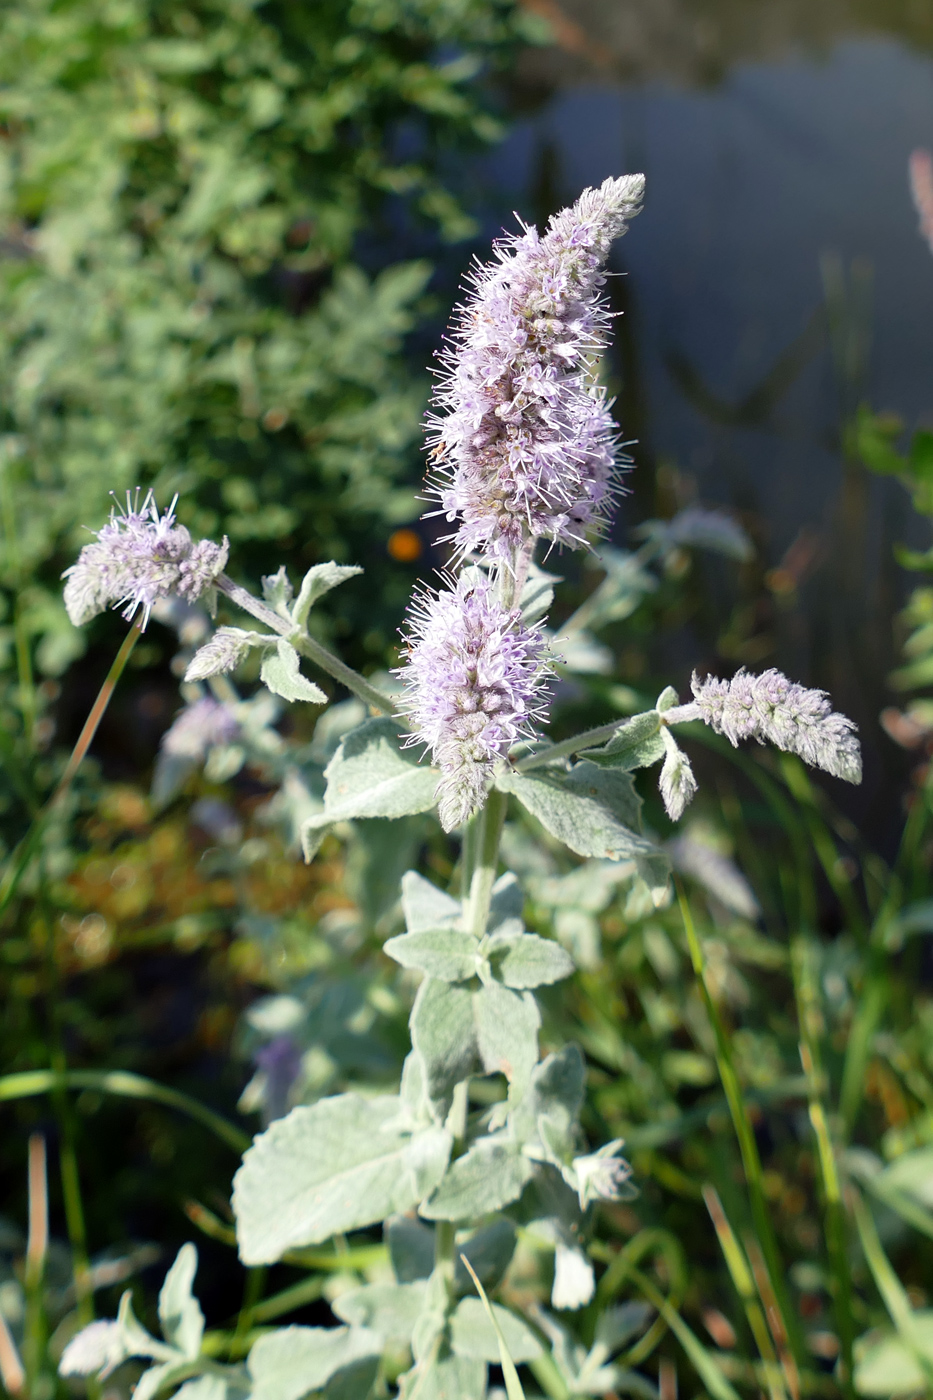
137, 558
474, 683
522, 440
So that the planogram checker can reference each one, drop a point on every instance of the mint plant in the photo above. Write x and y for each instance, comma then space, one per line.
482, 1136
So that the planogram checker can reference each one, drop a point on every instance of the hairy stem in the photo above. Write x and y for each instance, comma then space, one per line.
308, 647
485, 860
589, 739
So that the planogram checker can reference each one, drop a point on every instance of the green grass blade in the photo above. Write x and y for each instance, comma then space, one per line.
513, 1386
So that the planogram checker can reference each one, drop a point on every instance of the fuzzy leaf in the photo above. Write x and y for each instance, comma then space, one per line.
548, 1114
443, 1034
277, 591
334, 1166
370, 776
507, 1033
388, 1309
525, 960
636, 744
452, 1378
472, 1333
595, 812
489, 1252
411, 1248
281, 673
179, 1311
160, 1377
492, 1174
508, 901
291, 1362
317, 581
425, 906
209, 1388
448, 954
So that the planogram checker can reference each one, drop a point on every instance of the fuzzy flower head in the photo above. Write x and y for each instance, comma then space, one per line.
474, 678
137, 558
601, 1175
200, 727
774, 710
522, 440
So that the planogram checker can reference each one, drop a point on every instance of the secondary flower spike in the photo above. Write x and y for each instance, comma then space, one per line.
522, 439
137, 558
474, 680
772, 709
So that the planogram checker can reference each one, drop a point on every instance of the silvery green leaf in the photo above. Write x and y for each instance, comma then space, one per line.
507, 902
452, 1378
626, 583
548, 1113
161, 1377
507, 1025
489, 1176
581, 653
472, 1333
716, 872
353, 1382
333, 1166
432, 1321
666, 700
371, 776
887, 1366
277, 592
489, 1251
388, 1309
714, 530
635, 744
443, 1034
574, 1280
411, 1248
537, 594
448, 954
427, 1158
317, 581
312, 838
179, 1311
136, 1340
281, 673
525, 960
595, 812
289, 1363
619, 1325
425, 906
211, 1388
911, 1173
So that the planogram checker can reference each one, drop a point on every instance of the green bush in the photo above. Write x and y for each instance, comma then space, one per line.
181, 189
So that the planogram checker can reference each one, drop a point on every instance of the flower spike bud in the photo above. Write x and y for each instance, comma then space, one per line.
772, 709
522, 440
138, 558
474, 680
677, 784
600, 1175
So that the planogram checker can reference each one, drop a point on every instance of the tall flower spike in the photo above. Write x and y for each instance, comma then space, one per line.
772, 709
137, 558
522, 439
474, 679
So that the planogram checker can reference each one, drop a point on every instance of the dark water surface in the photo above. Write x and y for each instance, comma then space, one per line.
774, 280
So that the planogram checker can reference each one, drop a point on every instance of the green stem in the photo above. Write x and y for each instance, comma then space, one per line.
485, 857
589, 739
308, 647
751, 1162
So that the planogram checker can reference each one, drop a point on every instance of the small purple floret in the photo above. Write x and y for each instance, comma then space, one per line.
522, 438
474, 683
199, 728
